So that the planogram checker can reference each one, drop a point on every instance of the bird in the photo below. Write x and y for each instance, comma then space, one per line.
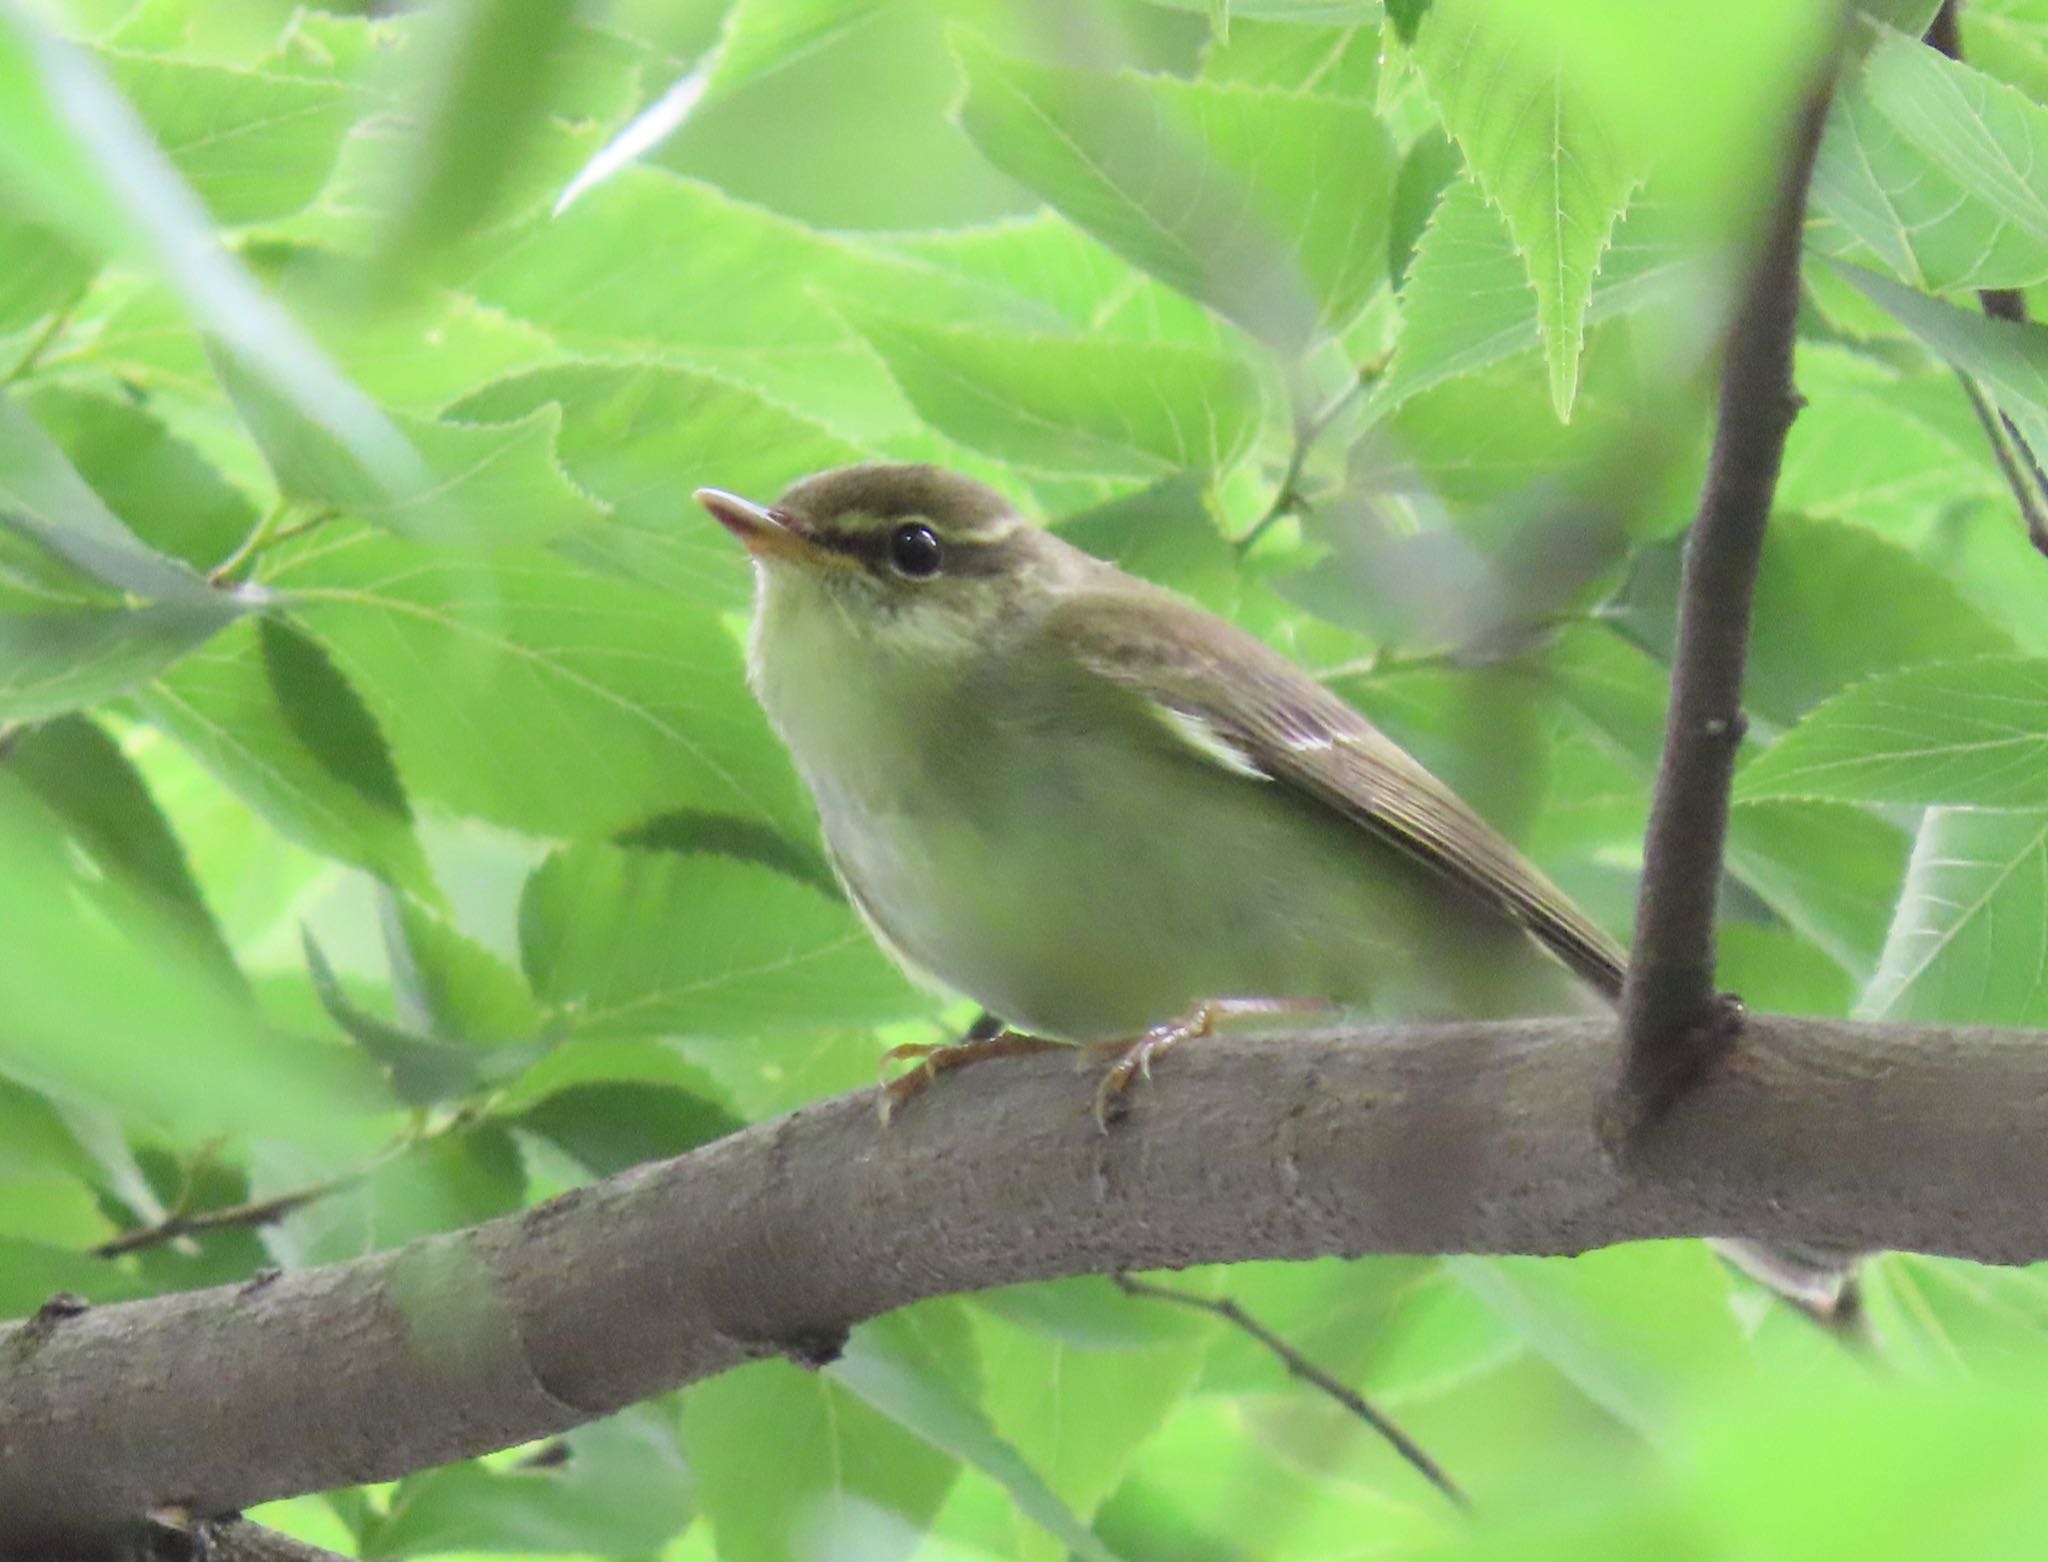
1112, 818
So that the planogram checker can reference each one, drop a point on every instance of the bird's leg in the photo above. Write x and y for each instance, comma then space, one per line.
988, 1037
1128, 1060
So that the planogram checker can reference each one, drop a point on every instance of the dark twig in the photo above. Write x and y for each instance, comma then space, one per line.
1288, 499
177, 1537
1301, 1367
180, 1223
1674, 1025
2029, 486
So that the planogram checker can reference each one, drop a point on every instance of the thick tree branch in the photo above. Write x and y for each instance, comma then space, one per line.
1675, 1026
1424, 1139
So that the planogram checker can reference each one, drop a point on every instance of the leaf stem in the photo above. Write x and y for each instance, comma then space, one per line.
1301, 1367
39, 344
1288, 499
2028, 486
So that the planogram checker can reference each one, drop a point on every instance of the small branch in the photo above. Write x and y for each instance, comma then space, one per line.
1675, 1027
178, 1537
179, 1223
1288, 498
1301, 1367
2027, 487
39, 344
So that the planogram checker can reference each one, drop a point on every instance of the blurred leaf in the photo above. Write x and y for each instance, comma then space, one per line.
78, 157
44, 273
1332, 61
462, 991
1543, 152
1968, 733
31, 1273
2009, 358
1987, 137
1830, 870
1885, 199
641, 702
641, 436
1642, 1329
1270, 208
1077, 1414
618, 1487
252, 145
266, 710
652, 942
1814, 631
51, 663
1967, 942
170, 1041
423, 1070
1070, 404
609, 1127
164, 491
86, 781
761, 37
833, 1455
890, 1366
486, 70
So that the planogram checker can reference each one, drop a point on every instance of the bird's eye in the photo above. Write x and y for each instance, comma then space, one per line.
915, 551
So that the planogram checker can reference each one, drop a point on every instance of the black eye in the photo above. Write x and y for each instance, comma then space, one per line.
915, 551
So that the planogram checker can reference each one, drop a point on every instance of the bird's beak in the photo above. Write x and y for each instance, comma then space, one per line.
761, 531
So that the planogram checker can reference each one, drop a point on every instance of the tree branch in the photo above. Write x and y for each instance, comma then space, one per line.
1414, 1139
1676, 1028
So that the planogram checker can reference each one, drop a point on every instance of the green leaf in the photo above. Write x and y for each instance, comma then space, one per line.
637, 435
1958, 733
761, 37
1881, 197
252, 146
453, 986
891, 1367
1641, 1329
618, 1487
1332, 61
486, 71
1056, 404
2009, 358
1988, 137
609, 1127
1544, 154
75, 155
51, 663
1269, 207
44, 273
423, 1070
266, 710
169, 495
1830, 870
1467, 301
642, 701
840, 1469
652, 942
1968, 938
84, 779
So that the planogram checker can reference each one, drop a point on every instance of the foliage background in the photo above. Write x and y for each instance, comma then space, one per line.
384, 818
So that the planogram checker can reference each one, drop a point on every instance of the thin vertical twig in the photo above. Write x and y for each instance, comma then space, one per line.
1674, 1024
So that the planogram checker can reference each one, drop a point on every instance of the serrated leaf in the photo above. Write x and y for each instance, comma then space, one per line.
1540, 148
423, 1070
461, 990
638, 703
639, 942
1879, 195
252, 145
269, 714
1268, 207
1058, 404
51, 663
1467, 300
638, 435
1969, 734
1967, 942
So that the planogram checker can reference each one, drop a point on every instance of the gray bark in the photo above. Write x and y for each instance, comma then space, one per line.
1454, 1138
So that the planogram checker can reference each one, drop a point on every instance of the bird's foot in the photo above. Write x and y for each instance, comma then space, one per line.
1131, 1060
931, 1059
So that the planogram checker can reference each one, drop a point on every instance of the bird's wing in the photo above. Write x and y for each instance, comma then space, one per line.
1246, 707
